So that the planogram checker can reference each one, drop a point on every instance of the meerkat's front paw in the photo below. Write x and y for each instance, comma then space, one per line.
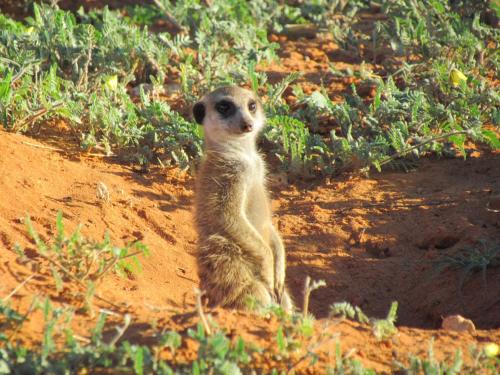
279, 288
268, 276
279, 280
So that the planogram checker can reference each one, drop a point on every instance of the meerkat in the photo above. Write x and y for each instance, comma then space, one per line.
241, 254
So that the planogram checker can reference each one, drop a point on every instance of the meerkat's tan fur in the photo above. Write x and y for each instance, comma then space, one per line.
241, 255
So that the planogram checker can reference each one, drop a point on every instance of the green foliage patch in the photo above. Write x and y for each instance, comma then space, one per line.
75, 260
83, 68
62, 351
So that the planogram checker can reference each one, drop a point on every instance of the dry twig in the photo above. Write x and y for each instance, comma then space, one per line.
14, 291
308, 289
199, 310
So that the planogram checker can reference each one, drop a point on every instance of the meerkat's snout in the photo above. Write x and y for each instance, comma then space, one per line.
246, 127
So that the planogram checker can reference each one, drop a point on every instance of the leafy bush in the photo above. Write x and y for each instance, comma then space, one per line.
74, 259
217, 352
82, 67
435, 104
382, 329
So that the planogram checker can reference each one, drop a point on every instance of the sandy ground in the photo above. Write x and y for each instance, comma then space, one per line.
373, 240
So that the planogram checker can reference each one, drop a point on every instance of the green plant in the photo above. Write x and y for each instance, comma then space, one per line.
470, 260
346, 310
419, 108
309, 287
292, 332
142, 14
344, 364
10, 317
218, 353
382, 328
230, 37
400, 123
430, 27
300, 152
61, 351
77, 68
431, 366
73, 258
81, 67
385, 328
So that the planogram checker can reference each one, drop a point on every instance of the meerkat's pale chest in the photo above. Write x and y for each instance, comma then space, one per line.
256, 203
255, 171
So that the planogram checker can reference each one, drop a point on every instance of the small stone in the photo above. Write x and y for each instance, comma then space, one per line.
274, 38
102, 192
458, 323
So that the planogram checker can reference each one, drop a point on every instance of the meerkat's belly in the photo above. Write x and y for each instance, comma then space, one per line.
258, 210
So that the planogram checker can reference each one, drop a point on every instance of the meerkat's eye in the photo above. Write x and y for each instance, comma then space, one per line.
224, 107
252, 106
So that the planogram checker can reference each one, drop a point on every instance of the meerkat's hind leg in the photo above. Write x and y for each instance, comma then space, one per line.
228, 278
256, 292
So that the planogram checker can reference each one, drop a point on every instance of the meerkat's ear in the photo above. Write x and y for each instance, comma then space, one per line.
199, 112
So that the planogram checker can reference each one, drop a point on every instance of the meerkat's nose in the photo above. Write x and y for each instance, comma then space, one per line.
246, 127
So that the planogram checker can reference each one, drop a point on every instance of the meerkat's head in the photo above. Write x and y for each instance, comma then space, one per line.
229, 113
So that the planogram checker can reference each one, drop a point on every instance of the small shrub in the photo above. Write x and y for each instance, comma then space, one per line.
74, 259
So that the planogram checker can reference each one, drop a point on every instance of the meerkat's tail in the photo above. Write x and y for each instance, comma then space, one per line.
229, 279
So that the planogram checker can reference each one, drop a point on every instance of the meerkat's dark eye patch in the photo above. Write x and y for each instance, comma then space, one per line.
199, 112
252, 106
225, 107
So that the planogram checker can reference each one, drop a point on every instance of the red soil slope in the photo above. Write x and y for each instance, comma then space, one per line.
373, 240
